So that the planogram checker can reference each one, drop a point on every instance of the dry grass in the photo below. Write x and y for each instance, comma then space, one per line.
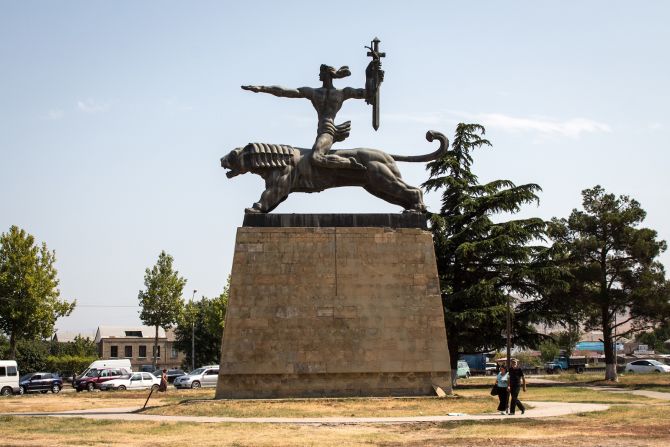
201, 403
350, 407
469, 401
621, 426
80, 401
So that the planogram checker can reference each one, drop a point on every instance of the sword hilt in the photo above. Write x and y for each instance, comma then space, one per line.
374, 50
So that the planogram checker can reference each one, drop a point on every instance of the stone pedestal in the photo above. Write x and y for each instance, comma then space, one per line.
333, 311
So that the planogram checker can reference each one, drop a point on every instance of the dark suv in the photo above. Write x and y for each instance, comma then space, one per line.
94, 377
42, 382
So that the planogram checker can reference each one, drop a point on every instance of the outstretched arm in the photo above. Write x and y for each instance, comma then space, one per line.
302, 92
355, 93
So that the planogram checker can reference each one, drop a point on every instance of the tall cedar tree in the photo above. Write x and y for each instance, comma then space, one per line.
616, 281
481, 263
206, 319
162, 301
29, 295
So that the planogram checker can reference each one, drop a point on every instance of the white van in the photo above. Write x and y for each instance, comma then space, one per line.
9, 378
115, 363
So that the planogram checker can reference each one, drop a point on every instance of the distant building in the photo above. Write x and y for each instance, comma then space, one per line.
136, 344
68, 336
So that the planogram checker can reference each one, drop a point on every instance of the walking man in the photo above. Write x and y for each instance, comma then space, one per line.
516, 381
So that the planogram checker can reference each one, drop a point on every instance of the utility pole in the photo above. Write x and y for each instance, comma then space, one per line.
509, 333
193, 332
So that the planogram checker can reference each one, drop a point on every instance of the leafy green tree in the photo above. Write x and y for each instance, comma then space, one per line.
568, 339
67, 365
30, 300
32, 355
206, 319
527, 359
549, 350
482, 262
656, 339
616, 278
79, 347
162, 301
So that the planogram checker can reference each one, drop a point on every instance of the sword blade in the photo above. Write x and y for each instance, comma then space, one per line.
375, 111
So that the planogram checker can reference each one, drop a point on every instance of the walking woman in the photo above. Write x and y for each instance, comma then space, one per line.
164, 382
502, 380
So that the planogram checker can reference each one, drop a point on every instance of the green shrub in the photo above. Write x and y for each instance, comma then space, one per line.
66, 365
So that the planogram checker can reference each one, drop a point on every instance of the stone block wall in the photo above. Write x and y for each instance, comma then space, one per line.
333, 312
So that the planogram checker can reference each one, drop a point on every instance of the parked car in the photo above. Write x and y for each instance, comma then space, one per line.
95, 377
206, 376
106, 364
171, 374
647, 366
463, 370
42, 382
491, 368
9, 378
136, 381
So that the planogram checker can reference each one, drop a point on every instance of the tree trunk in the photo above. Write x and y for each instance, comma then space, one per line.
12, 347
453, 361
610, 358
608, 346
156, 349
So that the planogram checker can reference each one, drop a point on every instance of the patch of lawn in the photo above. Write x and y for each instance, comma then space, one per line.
345, 407
78, 401
469, 401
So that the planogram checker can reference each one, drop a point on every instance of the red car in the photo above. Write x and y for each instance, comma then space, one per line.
95, 377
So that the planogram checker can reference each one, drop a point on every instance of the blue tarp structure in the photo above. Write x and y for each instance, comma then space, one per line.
594, 346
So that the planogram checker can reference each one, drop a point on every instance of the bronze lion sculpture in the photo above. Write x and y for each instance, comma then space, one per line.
288, 169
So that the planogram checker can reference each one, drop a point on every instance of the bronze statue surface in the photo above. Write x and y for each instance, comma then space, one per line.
288, 169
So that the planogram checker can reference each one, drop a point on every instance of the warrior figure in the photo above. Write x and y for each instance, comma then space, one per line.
327, 100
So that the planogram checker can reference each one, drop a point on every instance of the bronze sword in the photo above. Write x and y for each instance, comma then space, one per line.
377, 78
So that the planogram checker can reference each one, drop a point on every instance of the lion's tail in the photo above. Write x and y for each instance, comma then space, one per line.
430, 136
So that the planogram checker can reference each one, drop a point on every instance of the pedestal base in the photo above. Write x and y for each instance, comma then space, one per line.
333, 311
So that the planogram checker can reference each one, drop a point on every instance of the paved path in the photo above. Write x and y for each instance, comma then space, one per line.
645, 393
539, 410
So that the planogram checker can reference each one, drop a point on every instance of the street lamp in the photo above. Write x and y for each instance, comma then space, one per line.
192, 332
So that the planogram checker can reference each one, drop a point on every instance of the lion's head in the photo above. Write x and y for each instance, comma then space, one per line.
234, 163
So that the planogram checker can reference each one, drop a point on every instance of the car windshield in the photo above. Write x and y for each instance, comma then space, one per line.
25, 377
196, 372
655, 363
93, 373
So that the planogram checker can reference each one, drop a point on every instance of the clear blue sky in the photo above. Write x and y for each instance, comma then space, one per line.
113, 117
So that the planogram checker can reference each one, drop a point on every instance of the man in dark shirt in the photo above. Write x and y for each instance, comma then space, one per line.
516, 379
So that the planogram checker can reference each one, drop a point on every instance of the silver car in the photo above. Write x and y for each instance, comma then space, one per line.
647, 366
207, 376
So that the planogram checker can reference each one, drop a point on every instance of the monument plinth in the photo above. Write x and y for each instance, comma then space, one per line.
338, 310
